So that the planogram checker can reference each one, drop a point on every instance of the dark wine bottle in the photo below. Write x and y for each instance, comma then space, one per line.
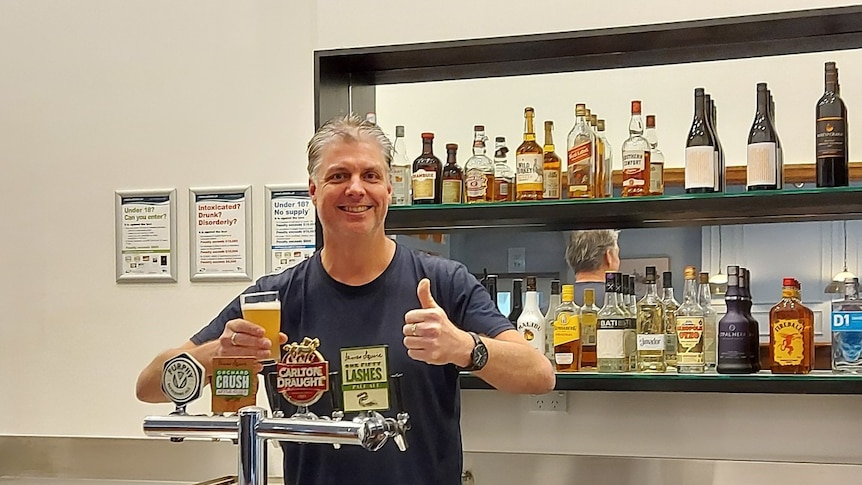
762, 166
701, 157
831, 142
712, 119
517, 301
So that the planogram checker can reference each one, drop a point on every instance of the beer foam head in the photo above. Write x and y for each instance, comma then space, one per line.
262, 305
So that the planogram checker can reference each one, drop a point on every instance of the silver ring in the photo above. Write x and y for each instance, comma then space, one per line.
413, 330
232, 339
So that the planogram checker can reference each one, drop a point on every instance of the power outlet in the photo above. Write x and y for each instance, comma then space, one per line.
553, 402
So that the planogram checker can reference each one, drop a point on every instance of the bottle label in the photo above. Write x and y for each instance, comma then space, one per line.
588, 329
733, 343
580, 167
401, 181
700, 167
846, 321
476, 184
451, 191
788, 346
529, 177
423, 184
635, 173
689, 337
551, 184
651, 342
566, 329
831, 137
761, 167
564, 358
502, 190
610, 344
533, 331
656, 178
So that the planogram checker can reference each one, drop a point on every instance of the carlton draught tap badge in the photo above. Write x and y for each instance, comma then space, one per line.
303, 375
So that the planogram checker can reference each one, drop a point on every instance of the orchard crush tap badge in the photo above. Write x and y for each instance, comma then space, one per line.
303, 375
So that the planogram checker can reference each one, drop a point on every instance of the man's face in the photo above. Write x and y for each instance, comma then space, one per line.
352, 190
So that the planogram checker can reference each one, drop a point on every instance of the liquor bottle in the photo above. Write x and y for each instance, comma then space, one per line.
631, 300
847, 330
453, 177
479, 171
636, 157
550, 317
650, 329
689, 328
528, 160
778, 147
579, 154
656, 158
551, 166
700, 153
531, 323
491, 286
401, 171
754, 325
517, 301
831, 139
791, 334
797, 296
588, 319
607, 162
504, 176
712, 119
599, 173
762, 165
734, 339
612, 330
710, 319
669, 309
427, 174
567, 333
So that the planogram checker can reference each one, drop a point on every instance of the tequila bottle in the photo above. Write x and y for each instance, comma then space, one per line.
613, 326
669, 307
710, 352
401, 171
689, 328
650, 323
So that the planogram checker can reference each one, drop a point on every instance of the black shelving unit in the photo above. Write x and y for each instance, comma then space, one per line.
345, 80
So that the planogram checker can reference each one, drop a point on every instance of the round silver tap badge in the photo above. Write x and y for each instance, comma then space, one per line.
182, 379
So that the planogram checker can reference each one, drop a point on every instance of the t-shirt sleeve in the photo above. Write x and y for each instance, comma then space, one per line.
471, 305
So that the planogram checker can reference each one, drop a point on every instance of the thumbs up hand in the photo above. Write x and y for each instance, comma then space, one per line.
430, 336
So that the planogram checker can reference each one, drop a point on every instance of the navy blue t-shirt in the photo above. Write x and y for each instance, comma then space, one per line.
315, 305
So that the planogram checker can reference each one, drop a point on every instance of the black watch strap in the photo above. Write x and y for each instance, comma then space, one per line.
479, 355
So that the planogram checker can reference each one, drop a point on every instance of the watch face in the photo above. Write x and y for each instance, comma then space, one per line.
480, 356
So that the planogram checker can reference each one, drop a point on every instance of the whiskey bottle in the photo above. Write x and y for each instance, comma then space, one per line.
479, 171
580, 163
427, 174
551, 166
762, 167
453, 177
531, 323
754, 325
791, 334
831, 134
401, 171
567, 333
636, 157
528, 160
710, 319
656, 158
847, 330
669, 309
701, 157
797, 296
517, 301
588, 318
612, 330
734, 339
712, 118
689, 328
550, 317
650, 327
599, 173
608, 161
504, 176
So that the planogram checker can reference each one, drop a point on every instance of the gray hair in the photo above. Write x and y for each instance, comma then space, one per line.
346, 129
587, 249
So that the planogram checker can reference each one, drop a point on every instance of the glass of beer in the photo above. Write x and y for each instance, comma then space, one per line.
264, 309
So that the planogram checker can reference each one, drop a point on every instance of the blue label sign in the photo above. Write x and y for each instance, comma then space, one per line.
847, 321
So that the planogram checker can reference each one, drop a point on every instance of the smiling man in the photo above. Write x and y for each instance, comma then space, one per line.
362, 288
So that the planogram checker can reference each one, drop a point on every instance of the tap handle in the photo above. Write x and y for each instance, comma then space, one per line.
270, 380
397, 394
335, 396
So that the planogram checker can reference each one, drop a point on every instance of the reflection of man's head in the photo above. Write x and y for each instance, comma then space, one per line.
594, 250
346, 129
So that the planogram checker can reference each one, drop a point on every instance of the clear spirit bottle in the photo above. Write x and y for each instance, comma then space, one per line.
650, 323
636, 157
847, 330
550, 317
612, 329
401, 171
689, 328
669, 307
656, 158
710, 319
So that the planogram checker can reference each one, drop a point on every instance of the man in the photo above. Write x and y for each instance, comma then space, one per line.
590, 254
362, 288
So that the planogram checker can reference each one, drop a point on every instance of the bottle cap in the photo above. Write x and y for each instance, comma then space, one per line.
650, 121
667, 279
479, 128
427, 136
531, 283
568, 292
600, 124
399, 131
788, 282
451, 146
690, 272
555, 287
704, 278
636, 107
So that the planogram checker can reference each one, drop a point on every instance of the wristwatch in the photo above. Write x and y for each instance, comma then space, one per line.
479, 355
